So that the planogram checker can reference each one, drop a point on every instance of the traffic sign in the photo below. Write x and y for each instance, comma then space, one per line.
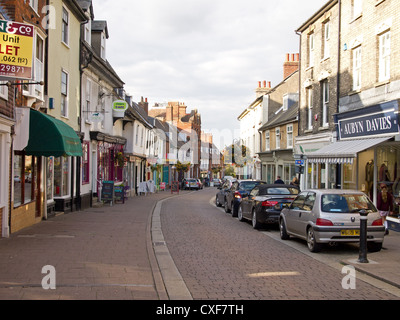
299, 162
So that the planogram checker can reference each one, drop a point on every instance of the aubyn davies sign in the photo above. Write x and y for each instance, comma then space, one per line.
378, 120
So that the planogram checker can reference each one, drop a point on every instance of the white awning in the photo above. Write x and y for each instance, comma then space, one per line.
343, 151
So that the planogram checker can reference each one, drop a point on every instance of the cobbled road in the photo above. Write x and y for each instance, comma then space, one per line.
221, 258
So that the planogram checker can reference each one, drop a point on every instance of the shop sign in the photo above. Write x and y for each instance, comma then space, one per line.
379, 120
96, 117
120, 105
16, 49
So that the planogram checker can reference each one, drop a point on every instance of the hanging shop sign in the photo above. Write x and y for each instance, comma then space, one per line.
120, 106
96, 117
375, 121
16, 50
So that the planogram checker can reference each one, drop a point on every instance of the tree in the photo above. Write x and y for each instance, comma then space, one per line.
230, 171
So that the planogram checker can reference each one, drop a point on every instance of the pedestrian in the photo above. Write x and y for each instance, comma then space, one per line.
295, 182
279, 180
385, 204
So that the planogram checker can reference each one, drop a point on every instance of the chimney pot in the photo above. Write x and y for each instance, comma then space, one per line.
259, 84
265, 84
287, 57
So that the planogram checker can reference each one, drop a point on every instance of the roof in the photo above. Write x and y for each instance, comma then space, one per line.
317, 15
282, 117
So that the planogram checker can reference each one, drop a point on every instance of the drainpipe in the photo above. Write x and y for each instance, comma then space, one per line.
338, 166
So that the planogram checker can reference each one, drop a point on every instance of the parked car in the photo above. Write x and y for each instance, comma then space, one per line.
264, 203
325, 216
222, 189
216, 182
189, 184
239, 189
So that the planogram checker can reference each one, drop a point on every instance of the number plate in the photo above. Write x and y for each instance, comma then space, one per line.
346, 233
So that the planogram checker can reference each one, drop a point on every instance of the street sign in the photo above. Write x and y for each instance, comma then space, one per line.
299, 162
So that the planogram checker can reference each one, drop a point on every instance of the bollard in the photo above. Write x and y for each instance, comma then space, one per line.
363, 237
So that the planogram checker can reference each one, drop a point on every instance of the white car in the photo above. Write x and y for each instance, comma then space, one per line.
331, 216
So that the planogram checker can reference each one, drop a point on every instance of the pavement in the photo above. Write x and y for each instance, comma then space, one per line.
118, 252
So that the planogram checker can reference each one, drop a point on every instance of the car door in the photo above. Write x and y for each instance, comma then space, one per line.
230, 193
306, 214
293, 215
248, 203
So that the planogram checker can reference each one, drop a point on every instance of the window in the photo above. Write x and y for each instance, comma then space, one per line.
61, 176
357, 68
65, 26
309, 202
325, 103
103, 46
137, 135
278, 138
88, 32
357, 8
327, 32
289, 132
85, 162
267, 141
3, 90
88, 97
34, 4
39, 66
311, 50
25, 171
64, 93
384, 56
310, 100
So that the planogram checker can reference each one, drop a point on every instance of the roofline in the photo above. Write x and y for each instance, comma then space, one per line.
317, 14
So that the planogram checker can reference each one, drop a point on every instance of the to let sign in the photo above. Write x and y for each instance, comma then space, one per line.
16, 49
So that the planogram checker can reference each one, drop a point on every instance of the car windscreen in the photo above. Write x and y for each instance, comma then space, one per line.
278, 190
248, 185
346, 203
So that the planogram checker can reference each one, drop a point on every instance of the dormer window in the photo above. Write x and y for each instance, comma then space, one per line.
103, 46
88, 32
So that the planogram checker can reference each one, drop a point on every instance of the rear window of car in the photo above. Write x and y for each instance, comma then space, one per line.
278, 190
248, 185
346, 203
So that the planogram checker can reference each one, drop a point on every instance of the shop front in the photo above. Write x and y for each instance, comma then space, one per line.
47, 139
278, 163
110, 160
366, 154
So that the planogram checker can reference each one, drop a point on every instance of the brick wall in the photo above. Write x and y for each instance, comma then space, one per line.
363, 32
323, 68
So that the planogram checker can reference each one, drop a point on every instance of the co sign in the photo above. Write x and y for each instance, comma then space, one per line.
120, 105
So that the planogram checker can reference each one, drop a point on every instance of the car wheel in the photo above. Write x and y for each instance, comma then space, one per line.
282, 230
374, 246
312, 244
254, 222
218, 204
227, 210
240, 214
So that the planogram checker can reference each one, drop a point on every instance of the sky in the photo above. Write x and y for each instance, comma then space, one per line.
209, 54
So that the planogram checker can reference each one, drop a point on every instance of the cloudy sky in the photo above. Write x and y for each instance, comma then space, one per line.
209, 54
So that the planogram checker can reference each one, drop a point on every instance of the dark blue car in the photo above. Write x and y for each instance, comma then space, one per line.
238, 190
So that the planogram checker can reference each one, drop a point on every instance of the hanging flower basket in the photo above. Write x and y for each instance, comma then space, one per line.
119, 159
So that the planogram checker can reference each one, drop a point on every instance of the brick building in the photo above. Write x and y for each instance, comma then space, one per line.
366, 74
19, 185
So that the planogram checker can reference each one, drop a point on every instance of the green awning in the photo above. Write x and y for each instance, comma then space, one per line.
49, 136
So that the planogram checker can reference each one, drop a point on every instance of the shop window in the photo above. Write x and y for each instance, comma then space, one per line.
25, 171
349, 176
50, 178
85, 162
61, 176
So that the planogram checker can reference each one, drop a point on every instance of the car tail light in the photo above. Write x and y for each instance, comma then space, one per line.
378, 222
324, 222
269, 203
237, 195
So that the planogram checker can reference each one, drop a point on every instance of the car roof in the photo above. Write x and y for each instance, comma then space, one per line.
265, 186
335, 191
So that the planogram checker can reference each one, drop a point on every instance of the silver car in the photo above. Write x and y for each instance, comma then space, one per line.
331, 216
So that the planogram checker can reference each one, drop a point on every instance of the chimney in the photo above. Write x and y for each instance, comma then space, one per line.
264, 89
144, 105
291, 64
